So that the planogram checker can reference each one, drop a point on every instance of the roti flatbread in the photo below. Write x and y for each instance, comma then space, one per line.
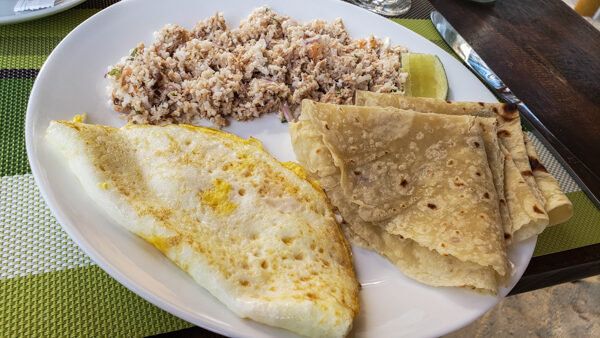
415, 186
519, 199
528, 212
257, 235
558, 205
414, 260
496, 161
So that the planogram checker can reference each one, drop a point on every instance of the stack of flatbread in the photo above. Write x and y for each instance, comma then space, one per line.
434, 193
533, 198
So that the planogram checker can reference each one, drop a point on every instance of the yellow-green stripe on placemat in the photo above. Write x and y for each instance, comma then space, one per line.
57, 25
28, 44
13, 103
426, 29
80, 302
581, 230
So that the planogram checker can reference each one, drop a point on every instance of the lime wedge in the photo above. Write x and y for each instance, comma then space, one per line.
426, 76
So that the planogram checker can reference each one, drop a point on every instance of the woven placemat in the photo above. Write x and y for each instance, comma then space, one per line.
48, 286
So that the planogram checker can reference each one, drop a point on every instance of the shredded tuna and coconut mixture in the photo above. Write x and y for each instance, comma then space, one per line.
269, 63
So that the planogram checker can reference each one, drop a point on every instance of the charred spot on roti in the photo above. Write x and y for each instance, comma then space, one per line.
476, 144
450, 162
503, 133
431, 206
404, 183
502, 201
538, 210
478, 173
507, 235
481, 103
448, 102
526, 173
509, 112
509, 107
356, 172
458, 182
509, 118
536, 165
311, 295
486, 195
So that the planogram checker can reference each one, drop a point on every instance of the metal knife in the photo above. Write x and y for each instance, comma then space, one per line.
483, 71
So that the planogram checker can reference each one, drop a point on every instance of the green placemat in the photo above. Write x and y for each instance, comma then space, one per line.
82, 302
48, 286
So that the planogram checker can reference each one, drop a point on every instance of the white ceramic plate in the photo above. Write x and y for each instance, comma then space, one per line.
8, 15
72, 82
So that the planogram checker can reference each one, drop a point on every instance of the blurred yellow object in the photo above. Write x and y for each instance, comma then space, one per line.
587, 7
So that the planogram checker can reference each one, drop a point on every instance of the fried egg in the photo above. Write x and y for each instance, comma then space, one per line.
252, 231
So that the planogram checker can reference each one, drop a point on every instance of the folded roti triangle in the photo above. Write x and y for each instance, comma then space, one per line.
527, 208
258, 236
413, 186
558, 205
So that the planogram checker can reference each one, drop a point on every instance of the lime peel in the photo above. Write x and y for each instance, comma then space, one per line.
426, 76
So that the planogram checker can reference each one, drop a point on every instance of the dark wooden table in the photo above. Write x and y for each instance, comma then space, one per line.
550, 57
